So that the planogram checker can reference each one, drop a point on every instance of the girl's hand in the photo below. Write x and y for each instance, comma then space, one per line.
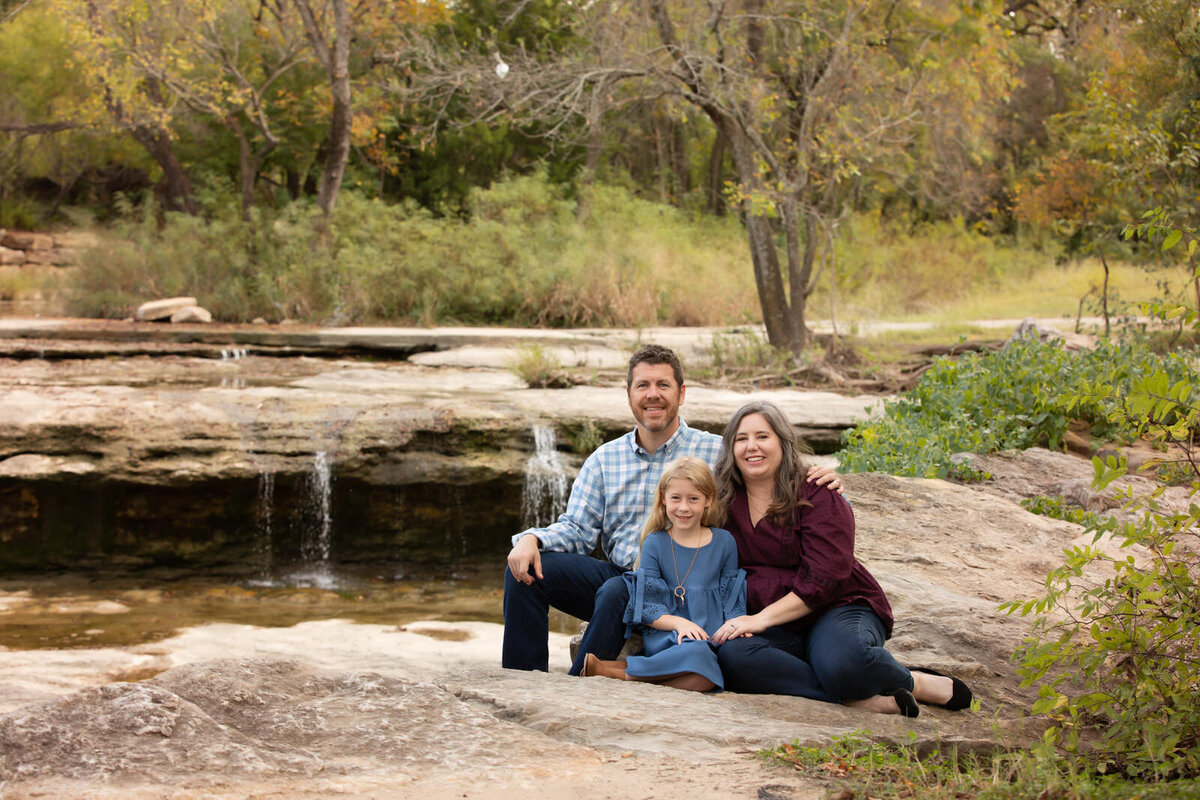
686, 629
739, 627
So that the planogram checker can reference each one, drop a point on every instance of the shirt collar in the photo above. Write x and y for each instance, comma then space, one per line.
668, 446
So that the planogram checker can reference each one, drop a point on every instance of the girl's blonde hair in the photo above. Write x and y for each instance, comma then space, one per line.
692, 469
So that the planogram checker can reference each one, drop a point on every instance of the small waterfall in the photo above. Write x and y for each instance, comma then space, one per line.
316, 541
544, 493
264, 540
235, 353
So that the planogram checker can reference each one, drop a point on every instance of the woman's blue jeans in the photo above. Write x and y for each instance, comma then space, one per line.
840, 657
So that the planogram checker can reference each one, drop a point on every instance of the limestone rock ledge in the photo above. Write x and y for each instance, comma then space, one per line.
222, 728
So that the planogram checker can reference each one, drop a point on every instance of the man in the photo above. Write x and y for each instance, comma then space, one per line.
609, 502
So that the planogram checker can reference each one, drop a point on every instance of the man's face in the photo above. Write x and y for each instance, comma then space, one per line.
654, 396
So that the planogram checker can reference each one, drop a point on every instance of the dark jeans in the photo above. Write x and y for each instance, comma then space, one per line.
569, 584
839, 657
605, 634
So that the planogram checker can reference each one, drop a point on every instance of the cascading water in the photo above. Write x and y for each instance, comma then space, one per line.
264, 543
544, 493
316, 541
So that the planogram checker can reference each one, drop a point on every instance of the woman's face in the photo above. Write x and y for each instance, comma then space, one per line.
757, 451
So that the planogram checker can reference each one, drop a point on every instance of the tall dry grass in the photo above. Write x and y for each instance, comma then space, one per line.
523, 257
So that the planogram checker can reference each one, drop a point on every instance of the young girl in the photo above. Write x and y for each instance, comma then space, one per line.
686, 585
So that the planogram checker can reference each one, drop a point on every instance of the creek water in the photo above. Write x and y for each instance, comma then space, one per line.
121, 563
74, 611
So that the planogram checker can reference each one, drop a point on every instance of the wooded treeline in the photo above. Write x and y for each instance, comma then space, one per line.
1071, 117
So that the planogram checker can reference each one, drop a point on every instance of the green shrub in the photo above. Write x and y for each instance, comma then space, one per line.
587, 438
1116, 645
21, 213
539, 369
1021, 396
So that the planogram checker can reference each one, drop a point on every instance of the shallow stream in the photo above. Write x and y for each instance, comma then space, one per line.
75, 611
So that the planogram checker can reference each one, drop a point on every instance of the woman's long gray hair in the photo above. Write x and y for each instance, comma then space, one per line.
784, 494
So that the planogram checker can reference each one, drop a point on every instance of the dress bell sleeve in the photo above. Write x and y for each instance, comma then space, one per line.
649, 595
732, 583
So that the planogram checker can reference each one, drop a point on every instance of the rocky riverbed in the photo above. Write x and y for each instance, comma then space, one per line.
334, 707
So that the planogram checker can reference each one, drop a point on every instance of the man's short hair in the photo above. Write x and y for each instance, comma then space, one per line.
655, 354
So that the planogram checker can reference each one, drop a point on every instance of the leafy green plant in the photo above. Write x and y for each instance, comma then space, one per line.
1023, 395
1115, 650
741, 350
587, 438
1057, 507
21, 213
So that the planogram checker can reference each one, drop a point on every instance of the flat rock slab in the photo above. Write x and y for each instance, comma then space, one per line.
156, 420
226, 727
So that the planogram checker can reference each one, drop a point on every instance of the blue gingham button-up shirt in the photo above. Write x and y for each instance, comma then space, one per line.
613, 494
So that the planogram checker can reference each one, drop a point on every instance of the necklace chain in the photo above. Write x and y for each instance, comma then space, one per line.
679, 591
758, 503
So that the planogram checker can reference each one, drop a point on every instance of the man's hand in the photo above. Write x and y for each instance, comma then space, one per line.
827, 477
525, 553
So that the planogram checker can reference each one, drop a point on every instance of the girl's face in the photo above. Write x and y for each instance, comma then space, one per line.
757, 451
685, 504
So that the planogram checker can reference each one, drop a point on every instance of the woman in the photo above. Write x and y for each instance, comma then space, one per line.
818, 620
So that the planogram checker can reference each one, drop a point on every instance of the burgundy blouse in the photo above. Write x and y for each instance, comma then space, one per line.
814, 558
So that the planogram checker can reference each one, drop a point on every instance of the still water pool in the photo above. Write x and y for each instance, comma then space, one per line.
70, 611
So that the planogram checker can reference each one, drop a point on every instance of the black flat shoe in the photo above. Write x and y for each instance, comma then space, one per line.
961, 696
906, 701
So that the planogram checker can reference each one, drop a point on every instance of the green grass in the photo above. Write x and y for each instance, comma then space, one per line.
855, 766
1054, 291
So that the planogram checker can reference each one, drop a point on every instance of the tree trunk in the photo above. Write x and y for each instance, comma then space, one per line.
768, 279
249, 162
660, 158
342, 116
156, 139
798, 270
295, 184
716, 175
679, 161
1104, 291
583, 207
336, 61
177, 189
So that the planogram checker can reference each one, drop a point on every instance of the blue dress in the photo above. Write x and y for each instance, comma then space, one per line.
715, 591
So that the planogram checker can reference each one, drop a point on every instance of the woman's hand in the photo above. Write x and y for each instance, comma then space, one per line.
738, 627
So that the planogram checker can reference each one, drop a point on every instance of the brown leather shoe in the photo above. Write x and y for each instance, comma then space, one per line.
594, 667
